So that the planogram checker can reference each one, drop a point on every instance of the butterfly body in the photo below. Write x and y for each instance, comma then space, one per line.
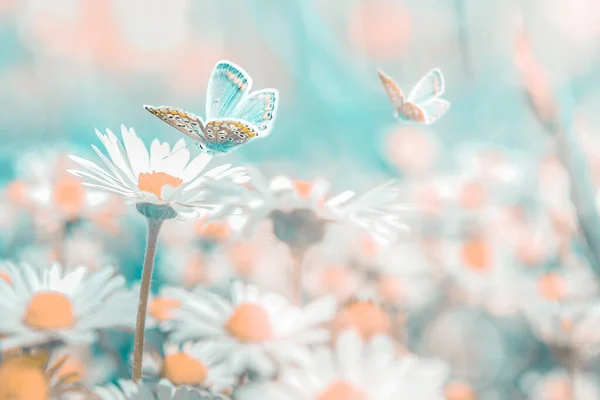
233, 115
423, 105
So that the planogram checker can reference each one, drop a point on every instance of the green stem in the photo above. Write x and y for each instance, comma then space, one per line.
138, 347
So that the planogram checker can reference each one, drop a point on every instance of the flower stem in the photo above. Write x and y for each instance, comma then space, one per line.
138, 347
296, 278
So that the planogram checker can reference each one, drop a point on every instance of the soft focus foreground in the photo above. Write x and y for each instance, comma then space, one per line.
293, 268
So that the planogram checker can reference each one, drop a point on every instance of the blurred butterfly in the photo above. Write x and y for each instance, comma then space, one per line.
423, 104
233, 114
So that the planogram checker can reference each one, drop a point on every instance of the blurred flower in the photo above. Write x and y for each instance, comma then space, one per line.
191, 364
458, 390
405, 277
33, 376
153, 181
47, 304
254, 331
330, 278
556, 385
82, 361
164, 390
358, 370
300, 210
484, 274
55, 197
365, 317
412, 150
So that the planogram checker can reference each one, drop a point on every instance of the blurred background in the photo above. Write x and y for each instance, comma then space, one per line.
70, 66
497, 278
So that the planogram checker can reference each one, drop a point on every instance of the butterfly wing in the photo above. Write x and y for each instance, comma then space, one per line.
223, 135
259, 109
429, 87
185, 122
434, 109
227, 87
393, 90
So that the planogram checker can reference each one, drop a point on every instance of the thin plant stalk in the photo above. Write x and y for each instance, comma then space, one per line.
297, 276
138, 347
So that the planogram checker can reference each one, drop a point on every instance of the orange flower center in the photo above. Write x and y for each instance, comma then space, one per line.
303, 189
4, 275
243, 257
16, 192
49, 310
369, 245
341, 390
552, 287
249, 323
559, 389
160, 308
459, 391
153, 182
566, 324
366, 317
181, 369
476, 255
69, 196
390, 289
194, 269
472, 195
22, 380
213, 230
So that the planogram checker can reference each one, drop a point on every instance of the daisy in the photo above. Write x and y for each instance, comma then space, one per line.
253, 332
404, 277
162, 188
300, 209
48, 304
164, 390
159, 186
192, 364
55, 197
365, 317
483, 273
355, 370
35, 376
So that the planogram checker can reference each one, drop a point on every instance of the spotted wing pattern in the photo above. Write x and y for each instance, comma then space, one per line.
185, 122
410, 112
223, 135
259, 109
393, 90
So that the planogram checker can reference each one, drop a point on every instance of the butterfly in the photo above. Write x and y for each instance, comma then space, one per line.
234, 116
423, 104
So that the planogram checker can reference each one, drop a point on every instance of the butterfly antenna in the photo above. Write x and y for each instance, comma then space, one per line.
188, 144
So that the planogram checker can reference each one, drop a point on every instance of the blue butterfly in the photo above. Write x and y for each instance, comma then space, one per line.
423, 104
233, 114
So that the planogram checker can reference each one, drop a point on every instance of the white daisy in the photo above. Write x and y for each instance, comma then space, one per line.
48, 304
484, 273
405, 276
164, 390
297, 206
155, 182
55, 197
355, 370
253, 332
192, 364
